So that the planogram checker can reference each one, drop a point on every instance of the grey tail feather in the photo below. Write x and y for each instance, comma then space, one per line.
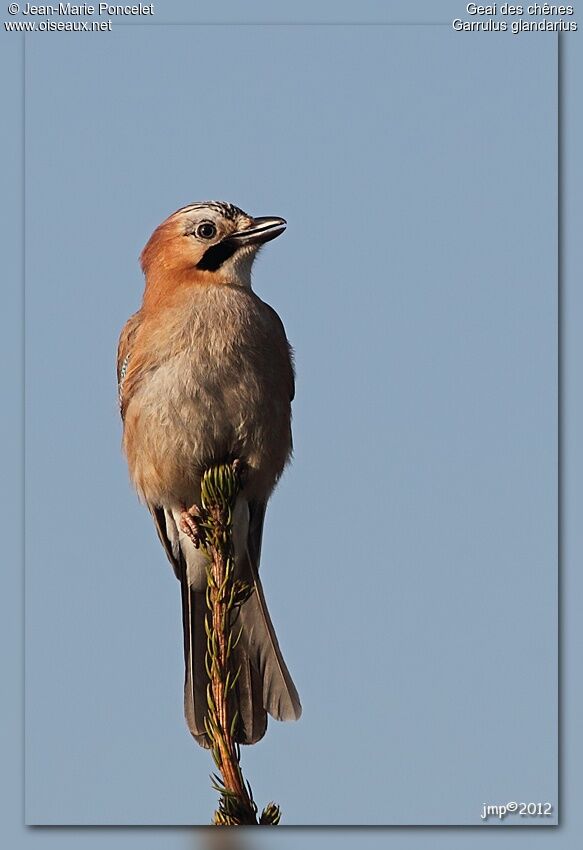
259, 641
195, 675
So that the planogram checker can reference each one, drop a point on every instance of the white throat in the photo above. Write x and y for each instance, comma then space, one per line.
237, 269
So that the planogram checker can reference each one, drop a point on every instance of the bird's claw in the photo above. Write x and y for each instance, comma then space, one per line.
239, 467
190, 524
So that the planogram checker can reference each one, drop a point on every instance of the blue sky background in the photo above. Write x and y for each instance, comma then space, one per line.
413, 301
410, 552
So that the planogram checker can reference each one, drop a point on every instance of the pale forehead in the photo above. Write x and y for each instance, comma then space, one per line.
212, 209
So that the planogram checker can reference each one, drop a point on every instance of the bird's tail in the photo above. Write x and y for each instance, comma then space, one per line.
260, 646
264, 684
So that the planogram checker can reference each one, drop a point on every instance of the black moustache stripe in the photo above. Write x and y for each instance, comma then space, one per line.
214, 257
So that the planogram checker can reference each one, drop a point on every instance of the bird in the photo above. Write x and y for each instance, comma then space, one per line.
206, 375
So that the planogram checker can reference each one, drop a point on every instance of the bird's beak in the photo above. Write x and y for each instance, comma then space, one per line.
261, 230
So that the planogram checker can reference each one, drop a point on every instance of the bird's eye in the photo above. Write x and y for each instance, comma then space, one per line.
206, 230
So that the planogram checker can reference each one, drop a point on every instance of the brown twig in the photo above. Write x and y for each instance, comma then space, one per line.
219, 488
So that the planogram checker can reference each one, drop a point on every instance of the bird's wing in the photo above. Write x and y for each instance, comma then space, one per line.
255, 537
168, 534
284, 351
124, 350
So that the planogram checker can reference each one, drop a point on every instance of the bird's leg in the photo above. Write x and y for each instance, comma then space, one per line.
190, 524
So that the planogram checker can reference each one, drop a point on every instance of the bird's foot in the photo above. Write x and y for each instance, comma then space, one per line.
239, 467
190, 523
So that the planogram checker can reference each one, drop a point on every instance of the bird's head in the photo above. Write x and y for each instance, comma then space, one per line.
212, 242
